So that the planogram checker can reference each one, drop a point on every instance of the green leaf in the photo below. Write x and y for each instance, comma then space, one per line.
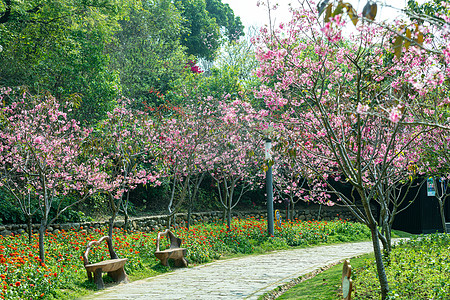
338, 9
398, 46
321, 6
420, 38
370, 10
328, 13
351, 13
408, 35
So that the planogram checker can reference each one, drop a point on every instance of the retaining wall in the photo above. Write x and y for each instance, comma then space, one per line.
155, 223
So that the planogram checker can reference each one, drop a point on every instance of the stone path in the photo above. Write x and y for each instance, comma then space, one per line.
239, 278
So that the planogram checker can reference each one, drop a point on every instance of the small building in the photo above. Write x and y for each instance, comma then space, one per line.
422, 215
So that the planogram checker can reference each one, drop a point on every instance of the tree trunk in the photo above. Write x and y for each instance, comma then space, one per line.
30, 227
125, 212
169, 221
292, 205
115, 210
111, 225
189, 215
229, 217
441, 209
125, 225
42, 229
224, 214
384, 285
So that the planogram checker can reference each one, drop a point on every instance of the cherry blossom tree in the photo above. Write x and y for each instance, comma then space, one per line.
125, 140
41, 157
185, 151
290, 183
354, 105
238, 153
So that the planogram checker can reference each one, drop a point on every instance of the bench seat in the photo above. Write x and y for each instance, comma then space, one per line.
174, 252
114, 266
107, 265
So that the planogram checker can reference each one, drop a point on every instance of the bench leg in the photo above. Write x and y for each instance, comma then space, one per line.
181, 262
164, 261
98, 279
89, 275
119, 275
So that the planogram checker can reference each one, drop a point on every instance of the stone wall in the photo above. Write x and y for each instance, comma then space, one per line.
155, 223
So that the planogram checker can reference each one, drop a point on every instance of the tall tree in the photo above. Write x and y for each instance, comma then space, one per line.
203, 21
124, 141
41, 157
238, 152
59, 46
347, 101
148, 54
185, 141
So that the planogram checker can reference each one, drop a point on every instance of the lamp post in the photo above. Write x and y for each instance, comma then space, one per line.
269, 186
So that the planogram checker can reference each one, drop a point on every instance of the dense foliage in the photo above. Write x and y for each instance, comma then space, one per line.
86, 52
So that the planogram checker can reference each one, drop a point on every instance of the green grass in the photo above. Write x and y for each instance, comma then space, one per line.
402, 234
325, 285
416, 269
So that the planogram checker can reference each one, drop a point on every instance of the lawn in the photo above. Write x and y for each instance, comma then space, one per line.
63, 276
325, 285
417, 269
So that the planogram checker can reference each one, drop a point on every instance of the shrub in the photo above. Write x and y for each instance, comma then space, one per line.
416, 269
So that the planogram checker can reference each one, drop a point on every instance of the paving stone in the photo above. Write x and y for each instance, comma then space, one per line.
239, 278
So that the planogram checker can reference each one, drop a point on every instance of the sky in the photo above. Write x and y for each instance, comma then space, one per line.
251, 15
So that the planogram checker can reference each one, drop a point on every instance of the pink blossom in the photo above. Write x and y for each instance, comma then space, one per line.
38, 140
395, 115
362, 109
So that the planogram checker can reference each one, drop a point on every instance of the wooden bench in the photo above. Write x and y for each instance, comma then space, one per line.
114, 266
173, 252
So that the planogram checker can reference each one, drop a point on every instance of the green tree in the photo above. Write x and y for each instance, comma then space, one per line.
428, 10
226, 19
59, 47
148, 54
228, 77
204, 20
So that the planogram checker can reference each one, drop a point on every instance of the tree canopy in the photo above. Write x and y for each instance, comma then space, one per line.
88, 52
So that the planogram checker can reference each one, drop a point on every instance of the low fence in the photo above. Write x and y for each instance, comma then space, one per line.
155, 223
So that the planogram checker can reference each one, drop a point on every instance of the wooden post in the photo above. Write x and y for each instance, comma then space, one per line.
347, 281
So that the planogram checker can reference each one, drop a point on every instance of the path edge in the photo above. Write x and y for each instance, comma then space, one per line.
280, 290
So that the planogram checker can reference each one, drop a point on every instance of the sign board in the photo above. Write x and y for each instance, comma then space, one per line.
430, 187
278, 218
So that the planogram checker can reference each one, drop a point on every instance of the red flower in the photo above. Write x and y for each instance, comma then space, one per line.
17, 283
